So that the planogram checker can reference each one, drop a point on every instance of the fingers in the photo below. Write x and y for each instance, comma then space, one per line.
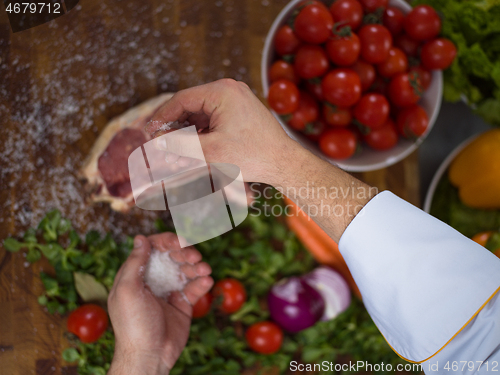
166, 241
187, 255
193, 271
193, 291
131, 271
199, 99
180, 143
197, 288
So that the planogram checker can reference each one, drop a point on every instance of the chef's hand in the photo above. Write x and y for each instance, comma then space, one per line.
238, 128
151, 332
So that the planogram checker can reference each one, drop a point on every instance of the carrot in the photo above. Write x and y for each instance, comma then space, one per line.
482, 238
321, 246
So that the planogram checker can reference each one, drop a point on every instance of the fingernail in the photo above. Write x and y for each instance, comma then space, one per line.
137, 243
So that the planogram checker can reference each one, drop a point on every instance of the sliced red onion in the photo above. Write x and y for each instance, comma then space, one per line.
332, 287
294, 304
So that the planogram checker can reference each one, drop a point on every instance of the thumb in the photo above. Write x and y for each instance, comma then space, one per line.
183, 142
131, 273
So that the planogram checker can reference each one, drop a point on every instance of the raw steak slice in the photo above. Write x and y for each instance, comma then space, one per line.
106, 168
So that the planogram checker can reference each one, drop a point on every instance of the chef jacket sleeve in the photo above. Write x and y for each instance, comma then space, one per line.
424, 284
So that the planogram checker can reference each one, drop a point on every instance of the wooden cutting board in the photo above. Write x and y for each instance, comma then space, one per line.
61, 82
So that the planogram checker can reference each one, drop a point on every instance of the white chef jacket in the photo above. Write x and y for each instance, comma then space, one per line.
432, 292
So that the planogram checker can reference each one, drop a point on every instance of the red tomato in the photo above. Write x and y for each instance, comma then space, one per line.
372, 110
338, 143
88, 322
343, 50
422, 23
341, 87
371, 6
393, 19
315, 90
283, 97
282, 70
314, 130
233, 295
405, 89
202, 307
438, 54
383, 138
407, 45
336, 116
311, 61
412, 122
285, 41
307, 112
424, 75
366, 73
314, 23
347, 12
264, 337
376, 41
397, 62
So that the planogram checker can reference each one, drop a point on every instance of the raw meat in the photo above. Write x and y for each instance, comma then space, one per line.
106, 168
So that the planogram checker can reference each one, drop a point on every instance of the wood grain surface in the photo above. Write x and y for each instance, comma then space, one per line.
61, 82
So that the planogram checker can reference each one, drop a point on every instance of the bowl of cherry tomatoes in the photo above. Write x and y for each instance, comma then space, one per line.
357, 82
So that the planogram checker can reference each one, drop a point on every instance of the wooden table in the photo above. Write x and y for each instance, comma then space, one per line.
59, 85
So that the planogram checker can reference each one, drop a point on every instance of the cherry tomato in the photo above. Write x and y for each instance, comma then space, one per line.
422, 23
88, 322
383, 138
283, 97
307, 112
412, 122
314, 23
407, 45
341, 87
424, 75
376, 41
282, 70
338, 143
233, 294
285, 41
372, 110
315, 89
343, 50
438, 54
347, 12
366, 73
393, 19
264, 337
397, 62
405, 89
311, 61
336, 116
202, 307
314, 130
371, 6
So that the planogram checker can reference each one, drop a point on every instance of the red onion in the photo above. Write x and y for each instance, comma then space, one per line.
333, 288
294, 304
